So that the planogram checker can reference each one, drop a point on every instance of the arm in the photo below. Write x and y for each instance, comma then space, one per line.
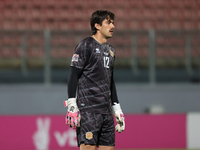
117, 108
78, 61
114, 97
74, 76
73, 114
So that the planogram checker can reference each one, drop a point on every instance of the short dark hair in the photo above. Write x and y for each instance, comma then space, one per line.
98, 17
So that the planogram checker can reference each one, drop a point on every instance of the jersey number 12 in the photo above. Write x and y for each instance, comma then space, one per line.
106, 62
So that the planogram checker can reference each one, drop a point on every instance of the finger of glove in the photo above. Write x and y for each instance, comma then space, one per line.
72, 122
78, 120
123, 125
67, 118
70, 125
119, 121
73, 119
70, 118
119, 117
78, 124
118, 128
69, 121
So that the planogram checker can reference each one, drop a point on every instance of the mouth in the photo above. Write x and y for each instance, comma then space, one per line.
111, 31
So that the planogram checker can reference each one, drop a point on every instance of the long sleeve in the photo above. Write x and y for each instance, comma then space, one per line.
114, 97
74, 76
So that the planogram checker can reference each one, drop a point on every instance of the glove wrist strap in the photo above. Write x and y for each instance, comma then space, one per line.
69, 101
116, 107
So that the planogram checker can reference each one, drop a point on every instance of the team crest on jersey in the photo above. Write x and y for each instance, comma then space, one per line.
75, 57
111, 53
89, 135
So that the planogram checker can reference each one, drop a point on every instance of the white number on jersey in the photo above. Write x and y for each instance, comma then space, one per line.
106, 62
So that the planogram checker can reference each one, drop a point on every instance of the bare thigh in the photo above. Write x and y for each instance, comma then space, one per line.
87, 147
106, 147
91, 147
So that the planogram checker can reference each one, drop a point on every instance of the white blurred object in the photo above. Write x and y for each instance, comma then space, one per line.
41, 136
193, 132
156, 109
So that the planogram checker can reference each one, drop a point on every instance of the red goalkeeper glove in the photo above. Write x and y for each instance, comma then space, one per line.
73, 114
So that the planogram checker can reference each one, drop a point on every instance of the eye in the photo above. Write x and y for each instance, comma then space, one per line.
110, 21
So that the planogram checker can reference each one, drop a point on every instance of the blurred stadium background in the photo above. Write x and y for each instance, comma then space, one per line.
157, 45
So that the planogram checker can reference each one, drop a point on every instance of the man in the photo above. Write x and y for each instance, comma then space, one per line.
92, 72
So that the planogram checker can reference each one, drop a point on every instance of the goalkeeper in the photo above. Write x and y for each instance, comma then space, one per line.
90, 111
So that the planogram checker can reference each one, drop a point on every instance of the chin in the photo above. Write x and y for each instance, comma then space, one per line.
109, 36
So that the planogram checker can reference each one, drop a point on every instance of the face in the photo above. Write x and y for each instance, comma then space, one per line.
106, 29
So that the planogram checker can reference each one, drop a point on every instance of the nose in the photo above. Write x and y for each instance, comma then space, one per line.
113, 26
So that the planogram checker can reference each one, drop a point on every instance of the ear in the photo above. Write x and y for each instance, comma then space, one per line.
97, 26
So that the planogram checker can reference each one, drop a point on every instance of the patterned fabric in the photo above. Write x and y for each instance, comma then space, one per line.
96, 129
96, 62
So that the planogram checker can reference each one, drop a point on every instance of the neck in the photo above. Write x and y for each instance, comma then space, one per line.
100, 39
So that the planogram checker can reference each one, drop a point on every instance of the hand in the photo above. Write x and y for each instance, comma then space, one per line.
73, 115
119, 118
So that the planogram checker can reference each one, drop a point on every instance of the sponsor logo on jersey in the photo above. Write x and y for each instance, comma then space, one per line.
75, 57
89, 135
97, 50
106, 53
111, 53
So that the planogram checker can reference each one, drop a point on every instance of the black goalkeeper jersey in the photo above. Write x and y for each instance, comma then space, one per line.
96, 62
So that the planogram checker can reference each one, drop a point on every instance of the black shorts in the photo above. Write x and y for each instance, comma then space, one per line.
96, 129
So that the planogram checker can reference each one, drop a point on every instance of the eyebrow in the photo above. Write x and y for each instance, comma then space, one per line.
110, 21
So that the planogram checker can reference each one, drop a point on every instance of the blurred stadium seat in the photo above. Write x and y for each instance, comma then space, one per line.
10, 53
61, 53
36, 52
162, 4
68, 15
143, 52
176, 4
128, 11
35, 40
